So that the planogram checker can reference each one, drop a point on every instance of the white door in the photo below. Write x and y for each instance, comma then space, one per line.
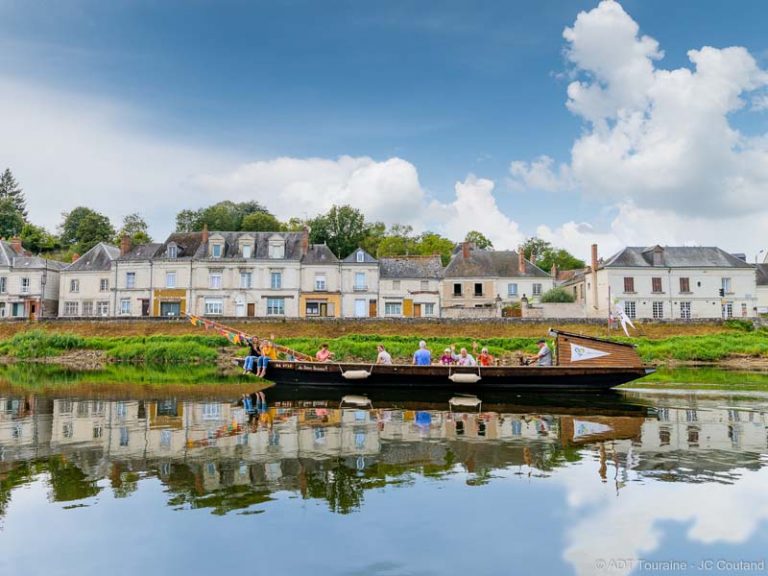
240, 306
360, 308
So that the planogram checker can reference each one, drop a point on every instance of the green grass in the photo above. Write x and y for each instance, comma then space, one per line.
703, 378
163, 353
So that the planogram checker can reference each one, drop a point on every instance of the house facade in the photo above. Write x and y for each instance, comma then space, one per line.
85, 286
29, 285
409, 286
484, 281
360, 281
671, 282
761, 271
320, 289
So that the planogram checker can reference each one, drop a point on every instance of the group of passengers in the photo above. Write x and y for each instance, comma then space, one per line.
259, 354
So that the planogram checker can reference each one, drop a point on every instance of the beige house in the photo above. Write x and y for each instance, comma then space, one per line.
481, 282
761, 290
320, 294
29, 285
360, 285
133, 279
85, 286
409, 286
668, 282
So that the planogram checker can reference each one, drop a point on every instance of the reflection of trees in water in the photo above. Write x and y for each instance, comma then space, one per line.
18, 475
124, 483
68, 482
341, 486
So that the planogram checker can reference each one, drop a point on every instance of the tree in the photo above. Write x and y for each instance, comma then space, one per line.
557, 295
430, 243
479, 240
83, 228
224, 216
9, 188
399, 241
37, 239
187, 221
261, 222
11, 220
342, 228
135, 227
546, 255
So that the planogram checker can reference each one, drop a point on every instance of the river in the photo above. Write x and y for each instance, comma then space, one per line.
100, 481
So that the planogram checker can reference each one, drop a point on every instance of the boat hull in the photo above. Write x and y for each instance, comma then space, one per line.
347, 375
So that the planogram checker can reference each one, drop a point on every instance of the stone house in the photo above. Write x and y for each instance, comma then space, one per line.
29, 285
409, 286
85, 286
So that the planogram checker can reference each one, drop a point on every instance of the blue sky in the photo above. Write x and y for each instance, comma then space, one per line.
452, 88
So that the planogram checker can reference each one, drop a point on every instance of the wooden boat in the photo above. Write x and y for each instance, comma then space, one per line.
581, 363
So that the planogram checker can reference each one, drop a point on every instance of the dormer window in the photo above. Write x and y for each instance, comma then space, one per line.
173, 251
360, 256
216, 250
247, 251
276, 248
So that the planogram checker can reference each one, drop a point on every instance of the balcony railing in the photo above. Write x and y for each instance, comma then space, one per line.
360, 288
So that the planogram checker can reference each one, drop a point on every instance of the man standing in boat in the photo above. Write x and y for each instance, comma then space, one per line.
544, 357
422, 356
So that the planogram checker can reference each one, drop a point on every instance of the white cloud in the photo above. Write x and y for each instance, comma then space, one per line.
539, 175
659, 139
68, 150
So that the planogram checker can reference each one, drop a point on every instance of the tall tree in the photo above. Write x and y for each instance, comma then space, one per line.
224, 216
343, 228
546, 255
135, 227
261, 222
430, 243
187, 221
11, 220
479, 240
9, 188
83, 228
37, 239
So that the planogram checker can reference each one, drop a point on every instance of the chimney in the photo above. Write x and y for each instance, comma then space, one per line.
125, 245
595, 263
465, 250
305, 241
16, 244
205, 233
520, 260
75, 257
594, 258
553, 272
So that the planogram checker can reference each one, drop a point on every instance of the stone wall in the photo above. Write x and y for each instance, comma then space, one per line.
555, 311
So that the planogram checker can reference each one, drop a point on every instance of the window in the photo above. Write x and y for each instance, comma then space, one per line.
395, 284
685, 310
656, 285
275, 306
104, 285
25, 285
216, 250
457, 289
429, 309
726, 285
276, 280
214, 281
88, 308
360, 281
685, 285
74, 285
214, 307
70, 308
247, 251
313, 309
393, 309
246, 279
320, 283
478, 289
630, 309
276, 250
67, 430
512, 289
125, 306
537, 289
629, 284
3, 284
124, 436
360, 256
425, 285
173, 251
658, 310
102, 308
98, 431
728, 310
170, 279
743, 310
130, 279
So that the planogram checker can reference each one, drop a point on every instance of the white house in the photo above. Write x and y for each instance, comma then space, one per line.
762, 288
85, 286
680, 282
360, 285
409, 286
29, 285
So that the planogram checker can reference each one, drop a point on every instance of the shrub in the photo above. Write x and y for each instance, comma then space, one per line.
739, 324
557, 295
39, 344
163, 353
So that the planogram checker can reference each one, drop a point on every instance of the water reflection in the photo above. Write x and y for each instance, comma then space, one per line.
212, 455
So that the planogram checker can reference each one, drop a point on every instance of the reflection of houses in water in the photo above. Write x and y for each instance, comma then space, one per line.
287, 445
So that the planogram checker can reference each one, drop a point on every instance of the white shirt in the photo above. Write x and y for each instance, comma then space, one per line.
384, 358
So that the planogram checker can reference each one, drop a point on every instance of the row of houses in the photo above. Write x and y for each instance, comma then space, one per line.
281, 274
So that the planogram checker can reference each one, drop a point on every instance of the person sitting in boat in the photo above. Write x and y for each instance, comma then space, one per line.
544, 357
254, 354
422, 356
484, 358
324, 354
448, 357
268, 352
383, 357
465, 358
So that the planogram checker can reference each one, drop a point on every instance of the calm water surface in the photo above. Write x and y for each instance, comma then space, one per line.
642, 482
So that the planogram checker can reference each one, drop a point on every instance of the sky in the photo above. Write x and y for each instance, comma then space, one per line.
635, 123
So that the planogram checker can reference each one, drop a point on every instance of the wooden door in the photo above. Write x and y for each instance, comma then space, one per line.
372, 308
417, 310
407, 307
251, 309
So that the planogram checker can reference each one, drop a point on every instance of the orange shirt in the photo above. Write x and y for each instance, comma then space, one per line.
485, 360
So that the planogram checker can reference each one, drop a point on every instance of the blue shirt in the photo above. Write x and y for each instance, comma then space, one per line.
422, 357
